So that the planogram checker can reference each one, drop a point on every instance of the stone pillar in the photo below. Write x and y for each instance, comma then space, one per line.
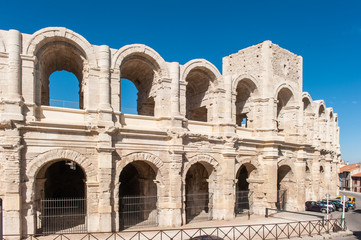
228, 99
270, 169
174, 75
105, 166
104, 107
170, 194
300, 175
12, 198
14, 72
12, 106
225, 196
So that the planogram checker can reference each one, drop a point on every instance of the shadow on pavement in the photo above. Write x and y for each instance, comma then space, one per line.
357, 234
357, 211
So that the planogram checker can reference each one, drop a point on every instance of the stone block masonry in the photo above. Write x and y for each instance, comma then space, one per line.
204, 145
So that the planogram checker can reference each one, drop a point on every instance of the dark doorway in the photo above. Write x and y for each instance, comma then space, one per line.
63, 204
283, 184
197, 193
137, 196
242, 191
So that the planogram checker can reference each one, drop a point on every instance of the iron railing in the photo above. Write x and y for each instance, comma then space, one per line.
138, 211
197, 206
65, 215
243, 203
247, 232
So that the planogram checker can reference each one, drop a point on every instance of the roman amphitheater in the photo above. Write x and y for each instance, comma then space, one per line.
204, 145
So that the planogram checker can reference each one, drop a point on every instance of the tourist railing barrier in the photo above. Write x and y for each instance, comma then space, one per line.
247, 232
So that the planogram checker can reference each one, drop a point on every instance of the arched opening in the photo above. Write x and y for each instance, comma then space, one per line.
63, 90
142, 71
129, 96
60, 198
244, 190
137, 195
245, 89
285, 113
321, 182
307, 119
306, 105
321, 123
60, 56
284, 187
198, 197
198, 95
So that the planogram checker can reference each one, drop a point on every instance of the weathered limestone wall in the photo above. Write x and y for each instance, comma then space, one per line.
254, 116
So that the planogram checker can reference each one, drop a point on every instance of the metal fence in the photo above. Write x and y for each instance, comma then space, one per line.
243, 203
138, 211
67, 215
247, 232
63, 104
197, 206
281, 199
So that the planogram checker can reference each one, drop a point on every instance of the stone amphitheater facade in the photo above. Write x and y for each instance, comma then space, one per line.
197, 131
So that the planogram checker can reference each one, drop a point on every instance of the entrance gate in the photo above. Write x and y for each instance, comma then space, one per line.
242, 201
197, 207
67, 215
138, 211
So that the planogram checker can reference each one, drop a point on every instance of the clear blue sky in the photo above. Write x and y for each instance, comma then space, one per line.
327, 34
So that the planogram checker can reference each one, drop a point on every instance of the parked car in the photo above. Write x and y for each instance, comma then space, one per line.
350, 199
348, 203
316, 206
338, 205
331, 206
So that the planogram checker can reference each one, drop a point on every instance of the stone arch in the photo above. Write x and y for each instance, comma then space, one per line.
244, 90
243, 77
306, 99
285, 112
202, 81
253, 161
330, 113
199, 180
286, 161
58, 49
248, 184
146, 69
201, 64
150, 169
35, 185
155, 162
320, 108
200, 158
46, 35
285, 86
53, 155
286, 184
141, 50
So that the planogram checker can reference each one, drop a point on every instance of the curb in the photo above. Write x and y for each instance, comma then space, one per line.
326, 235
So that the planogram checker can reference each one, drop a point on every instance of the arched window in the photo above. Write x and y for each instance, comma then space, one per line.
129, 97
285, 112
245, 89
198, 94
143, 72
58, 56
63, 90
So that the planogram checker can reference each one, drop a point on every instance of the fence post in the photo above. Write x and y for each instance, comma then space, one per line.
266, 212
1, 218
